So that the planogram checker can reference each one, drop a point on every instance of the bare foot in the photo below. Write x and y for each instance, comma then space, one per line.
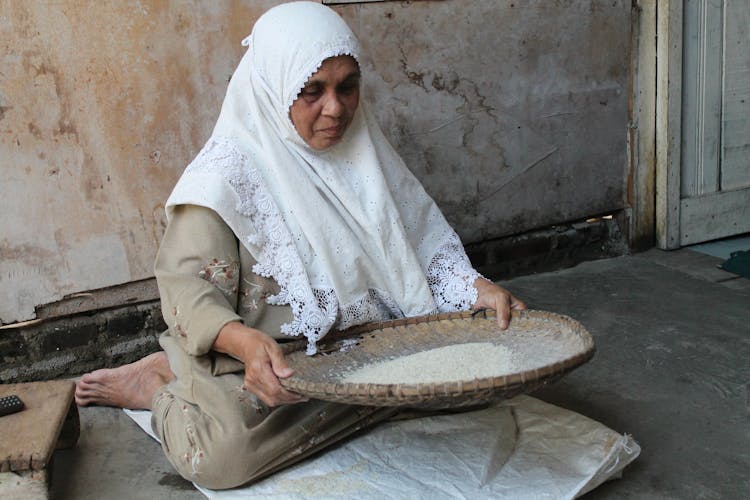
128, 386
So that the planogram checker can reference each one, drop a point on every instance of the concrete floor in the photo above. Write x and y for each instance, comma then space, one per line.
672, 368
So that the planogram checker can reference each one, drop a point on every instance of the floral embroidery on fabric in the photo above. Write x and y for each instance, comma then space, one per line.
315, 310
252, 295
222, 275
180, 331
194, 454
177, 327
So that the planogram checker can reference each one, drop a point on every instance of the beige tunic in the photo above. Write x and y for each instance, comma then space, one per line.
214, 432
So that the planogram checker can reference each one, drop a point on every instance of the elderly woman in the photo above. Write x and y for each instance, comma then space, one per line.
297, 217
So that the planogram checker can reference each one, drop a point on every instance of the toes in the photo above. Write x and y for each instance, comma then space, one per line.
80, 389
84, 387
86, 394
82, 399
98, 376
83, 390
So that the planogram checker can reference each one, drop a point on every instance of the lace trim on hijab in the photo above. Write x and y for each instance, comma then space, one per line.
451, 276
315, 310
313, 313
339, 46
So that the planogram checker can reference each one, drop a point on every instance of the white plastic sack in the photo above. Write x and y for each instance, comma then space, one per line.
521, 448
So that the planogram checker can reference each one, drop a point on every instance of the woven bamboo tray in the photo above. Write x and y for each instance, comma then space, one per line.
551, 344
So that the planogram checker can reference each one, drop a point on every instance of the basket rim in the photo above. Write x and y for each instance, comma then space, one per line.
371, 393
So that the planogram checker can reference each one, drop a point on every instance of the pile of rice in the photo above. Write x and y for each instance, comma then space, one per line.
444, 364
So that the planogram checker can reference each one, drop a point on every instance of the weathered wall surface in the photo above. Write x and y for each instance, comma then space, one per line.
514, 116
102, 105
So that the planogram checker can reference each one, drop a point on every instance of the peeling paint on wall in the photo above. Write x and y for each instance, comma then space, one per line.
101, 107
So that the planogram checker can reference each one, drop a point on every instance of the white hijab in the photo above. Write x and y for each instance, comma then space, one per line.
349, 234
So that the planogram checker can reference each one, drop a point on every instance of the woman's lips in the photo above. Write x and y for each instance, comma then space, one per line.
336, 131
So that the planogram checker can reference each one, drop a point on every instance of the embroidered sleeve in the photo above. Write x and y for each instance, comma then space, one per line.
451, 277
314, 310
197, 271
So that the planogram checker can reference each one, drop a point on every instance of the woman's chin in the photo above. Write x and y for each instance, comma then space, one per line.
324, 143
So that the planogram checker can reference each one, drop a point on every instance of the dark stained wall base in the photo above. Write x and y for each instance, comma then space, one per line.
71, 346
548, 249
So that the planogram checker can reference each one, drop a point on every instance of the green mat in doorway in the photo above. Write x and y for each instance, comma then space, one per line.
738, 263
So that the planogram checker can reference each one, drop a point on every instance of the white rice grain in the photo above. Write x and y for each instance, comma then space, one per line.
445, 364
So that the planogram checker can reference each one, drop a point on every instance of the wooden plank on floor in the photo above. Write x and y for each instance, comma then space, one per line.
28, 438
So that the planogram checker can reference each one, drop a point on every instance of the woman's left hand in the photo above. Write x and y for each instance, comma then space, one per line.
491, 296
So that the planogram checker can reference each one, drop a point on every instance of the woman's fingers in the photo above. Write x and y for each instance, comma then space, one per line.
507, 303
264, 362
516, 304
491, 296
502, 309
262, 380
278, 362
280, 369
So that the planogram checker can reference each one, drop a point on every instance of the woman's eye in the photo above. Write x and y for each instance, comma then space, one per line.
310, 93
348, 89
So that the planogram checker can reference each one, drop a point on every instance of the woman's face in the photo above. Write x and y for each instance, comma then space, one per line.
325, 107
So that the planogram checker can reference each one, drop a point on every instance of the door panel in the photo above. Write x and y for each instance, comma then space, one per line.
735, 166
715, 151
702, 104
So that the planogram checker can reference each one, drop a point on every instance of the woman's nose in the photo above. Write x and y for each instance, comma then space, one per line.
333, 105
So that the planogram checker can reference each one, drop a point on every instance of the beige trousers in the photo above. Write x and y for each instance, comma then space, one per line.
219, 436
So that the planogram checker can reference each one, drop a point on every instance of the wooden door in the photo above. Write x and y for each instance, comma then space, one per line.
713, 181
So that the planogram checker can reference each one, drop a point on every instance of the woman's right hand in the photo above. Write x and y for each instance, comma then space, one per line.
264, 362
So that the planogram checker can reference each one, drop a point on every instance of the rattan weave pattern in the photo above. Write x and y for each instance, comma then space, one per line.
556, 344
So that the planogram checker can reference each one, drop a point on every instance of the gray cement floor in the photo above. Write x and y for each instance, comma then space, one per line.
672, 368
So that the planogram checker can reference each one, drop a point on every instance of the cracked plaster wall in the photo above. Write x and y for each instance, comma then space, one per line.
513, 115
102, 104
